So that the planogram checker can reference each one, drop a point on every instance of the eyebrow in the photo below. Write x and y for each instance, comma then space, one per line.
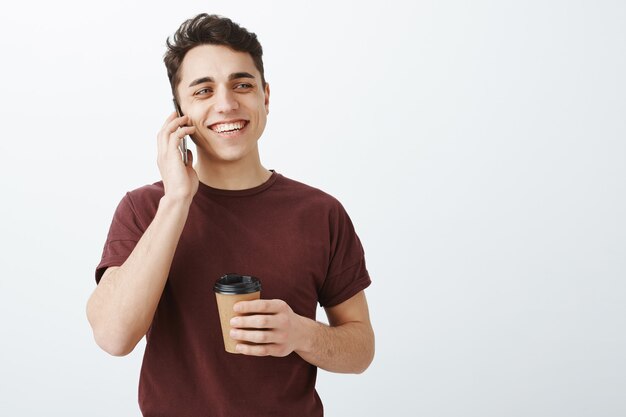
233, 76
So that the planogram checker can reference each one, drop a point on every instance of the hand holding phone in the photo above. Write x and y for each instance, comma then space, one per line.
183, 142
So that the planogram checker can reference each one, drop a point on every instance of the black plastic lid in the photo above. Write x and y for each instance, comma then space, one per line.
237, 284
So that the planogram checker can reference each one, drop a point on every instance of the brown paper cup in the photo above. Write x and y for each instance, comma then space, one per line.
231, 289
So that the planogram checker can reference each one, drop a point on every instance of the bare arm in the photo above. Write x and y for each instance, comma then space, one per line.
122, 306
346, 345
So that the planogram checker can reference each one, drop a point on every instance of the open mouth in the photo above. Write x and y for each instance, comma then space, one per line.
229, 127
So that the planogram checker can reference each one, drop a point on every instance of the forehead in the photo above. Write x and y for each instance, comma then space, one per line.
216, 61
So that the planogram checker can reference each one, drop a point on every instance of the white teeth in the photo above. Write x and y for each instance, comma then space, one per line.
226, 127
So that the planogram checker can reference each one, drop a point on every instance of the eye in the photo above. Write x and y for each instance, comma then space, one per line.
243, 86
203, 91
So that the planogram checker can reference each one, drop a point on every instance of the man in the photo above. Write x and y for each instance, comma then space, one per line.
171, 240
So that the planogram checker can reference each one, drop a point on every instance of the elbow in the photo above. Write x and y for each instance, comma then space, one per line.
366, 363
113, 346
111, 338
115, 343
364, 367
114, 340
368, 355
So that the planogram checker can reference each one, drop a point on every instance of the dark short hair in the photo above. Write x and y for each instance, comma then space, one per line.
209, 29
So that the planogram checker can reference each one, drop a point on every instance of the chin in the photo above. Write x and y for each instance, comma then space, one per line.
228, 156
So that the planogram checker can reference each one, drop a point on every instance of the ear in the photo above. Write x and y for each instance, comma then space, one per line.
267, 98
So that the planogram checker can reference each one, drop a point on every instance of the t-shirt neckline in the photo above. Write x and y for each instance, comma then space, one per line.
206, 189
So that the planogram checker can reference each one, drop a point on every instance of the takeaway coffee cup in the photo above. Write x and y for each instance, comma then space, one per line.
230, 289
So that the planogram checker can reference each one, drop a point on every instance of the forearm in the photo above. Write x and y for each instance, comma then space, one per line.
346, 348
122, 306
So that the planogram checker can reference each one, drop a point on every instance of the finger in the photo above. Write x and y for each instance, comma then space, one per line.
254, 336
184, 131
179, 134
259, 321
269, 349
166, 130
177, 122
174, 125
259, 306
174, 121
255, 350
171, 117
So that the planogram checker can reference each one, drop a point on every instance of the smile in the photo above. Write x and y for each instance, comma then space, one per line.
228, 126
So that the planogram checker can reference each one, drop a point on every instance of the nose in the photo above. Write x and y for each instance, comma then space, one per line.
225, 101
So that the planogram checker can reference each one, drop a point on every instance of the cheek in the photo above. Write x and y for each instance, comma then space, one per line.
196, 119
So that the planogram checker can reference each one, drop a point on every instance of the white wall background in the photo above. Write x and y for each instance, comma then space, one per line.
480, 148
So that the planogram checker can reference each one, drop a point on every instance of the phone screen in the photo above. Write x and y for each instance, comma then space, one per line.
183, 142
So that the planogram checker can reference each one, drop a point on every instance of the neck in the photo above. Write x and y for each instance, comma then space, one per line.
231, 175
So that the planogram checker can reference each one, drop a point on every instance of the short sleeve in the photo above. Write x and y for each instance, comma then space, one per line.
124, 233
347, 273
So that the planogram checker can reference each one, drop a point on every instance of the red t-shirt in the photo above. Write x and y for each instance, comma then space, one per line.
296, 239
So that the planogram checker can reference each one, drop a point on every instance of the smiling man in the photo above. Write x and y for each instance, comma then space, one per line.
171, 240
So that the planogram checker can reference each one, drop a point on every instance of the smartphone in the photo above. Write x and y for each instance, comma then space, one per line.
183, 142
